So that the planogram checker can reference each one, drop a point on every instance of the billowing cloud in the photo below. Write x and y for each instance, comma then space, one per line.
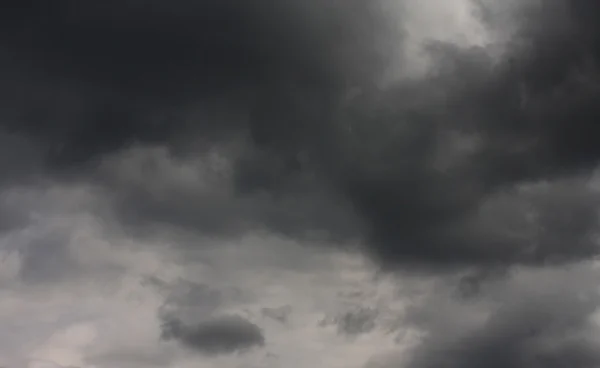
422, 169
191, 153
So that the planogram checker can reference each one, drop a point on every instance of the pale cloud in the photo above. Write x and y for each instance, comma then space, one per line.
455, 22
106, 309
316, 304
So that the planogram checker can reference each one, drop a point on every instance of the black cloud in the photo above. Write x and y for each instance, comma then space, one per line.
223, 335
86, 78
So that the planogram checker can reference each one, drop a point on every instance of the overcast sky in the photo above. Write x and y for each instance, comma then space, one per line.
316, 183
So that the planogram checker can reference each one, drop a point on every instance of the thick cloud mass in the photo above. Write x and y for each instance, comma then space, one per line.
428, 166
88, 78
424, 162
200, 123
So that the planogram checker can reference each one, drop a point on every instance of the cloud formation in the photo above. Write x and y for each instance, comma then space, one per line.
423, 169
194, 125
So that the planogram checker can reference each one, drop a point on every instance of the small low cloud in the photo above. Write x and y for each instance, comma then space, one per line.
354, 322
279, 314
223, 335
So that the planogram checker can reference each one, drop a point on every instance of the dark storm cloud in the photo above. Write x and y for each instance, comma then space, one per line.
436, 169
153, 187
19, 158
436, 166
211, 203
483, 163
552, 330
87, 78
84, 80
223, 335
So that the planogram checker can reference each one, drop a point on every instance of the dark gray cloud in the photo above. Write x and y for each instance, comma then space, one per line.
429, 171
550, 332
424, 159
85, 78
200, 193
20, 159
222, 335
530, 319
483, 163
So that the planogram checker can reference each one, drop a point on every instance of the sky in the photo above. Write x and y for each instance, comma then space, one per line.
317, 183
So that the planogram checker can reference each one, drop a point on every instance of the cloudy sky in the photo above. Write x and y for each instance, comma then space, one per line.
316, 183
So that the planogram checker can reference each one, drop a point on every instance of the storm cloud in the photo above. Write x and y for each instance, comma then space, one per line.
536, 319
423, 169
200, 124
85, 78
